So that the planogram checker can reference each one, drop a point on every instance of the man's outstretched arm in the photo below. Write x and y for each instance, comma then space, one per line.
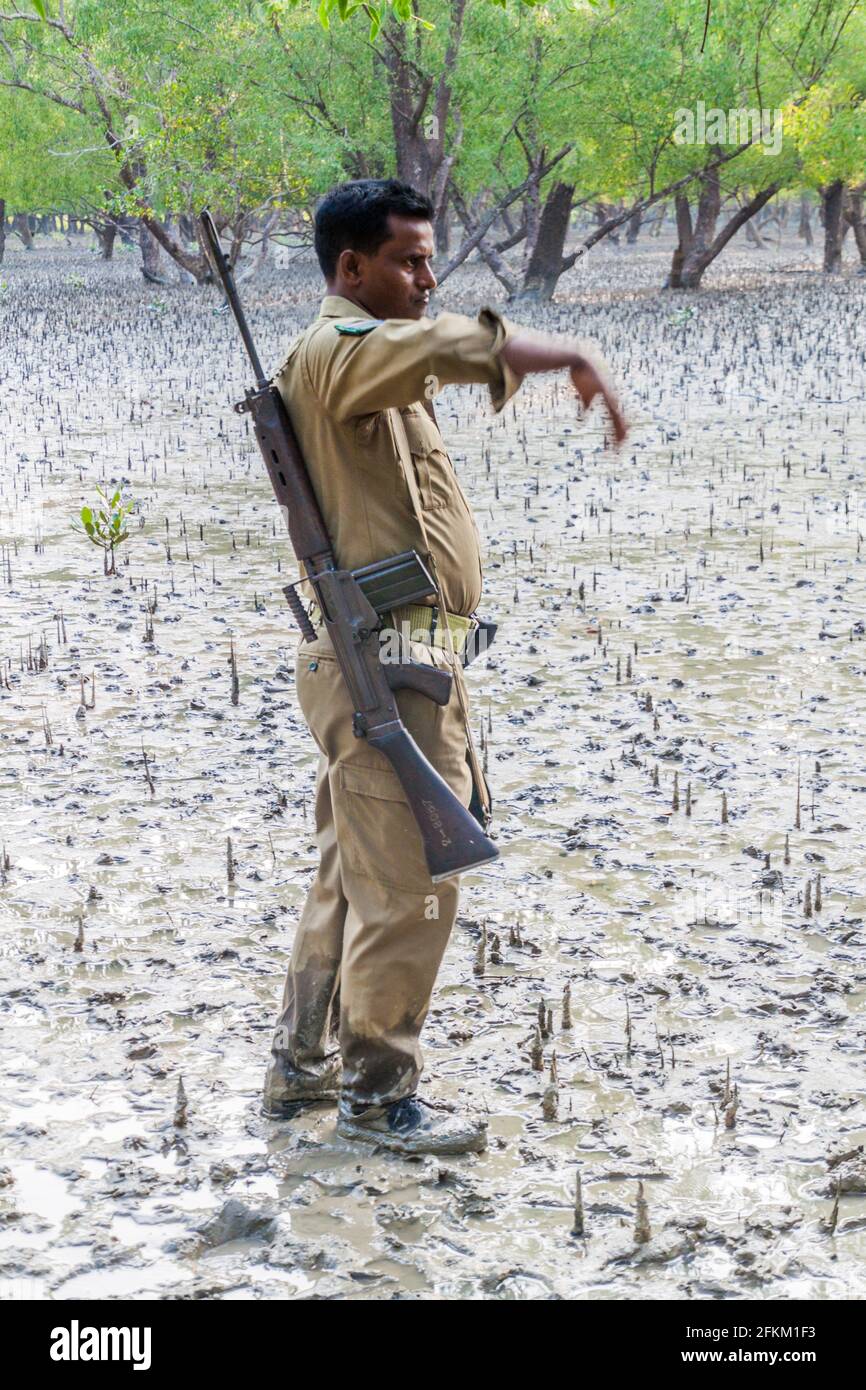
366, 366
525, 354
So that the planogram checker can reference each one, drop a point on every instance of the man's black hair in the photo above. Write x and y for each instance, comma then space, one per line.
354, 216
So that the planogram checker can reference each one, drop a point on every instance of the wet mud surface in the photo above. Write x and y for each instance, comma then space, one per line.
673, 722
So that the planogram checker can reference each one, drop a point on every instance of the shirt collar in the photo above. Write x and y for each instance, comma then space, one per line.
334, 306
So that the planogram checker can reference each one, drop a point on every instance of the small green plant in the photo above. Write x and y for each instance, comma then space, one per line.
76, 281
105, 526
683, 316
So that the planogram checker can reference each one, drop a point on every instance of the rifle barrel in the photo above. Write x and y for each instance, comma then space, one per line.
224, 271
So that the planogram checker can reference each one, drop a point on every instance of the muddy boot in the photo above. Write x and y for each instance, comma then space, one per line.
288, 1089
412, 1126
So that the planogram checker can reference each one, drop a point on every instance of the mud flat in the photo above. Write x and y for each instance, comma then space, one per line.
673, 722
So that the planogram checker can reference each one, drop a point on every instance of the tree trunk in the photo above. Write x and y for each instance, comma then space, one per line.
832, 198
546, 262
685, 237
698, 248
196, 265
442, 229
688, 263
105, 234
127, 229
488, 252
804, 229
2, 229
265, 248
241, 230
481, 227
633, 225
603, 211
854, 218
531, 219
753, 238
421, 108
150, 255
21, 225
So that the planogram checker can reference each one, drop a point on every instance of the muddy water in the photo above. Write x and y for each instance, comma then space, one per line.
679, 667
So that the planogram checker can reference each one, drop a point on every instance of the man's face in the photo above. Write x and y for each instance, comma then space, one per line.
396, 281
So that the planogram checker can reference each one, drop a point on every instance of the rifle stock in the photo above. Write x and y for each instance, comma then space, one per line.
452, 839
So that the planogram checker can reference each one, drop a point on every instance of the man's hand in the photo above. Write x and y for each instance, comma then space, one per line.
525, 353
590, 382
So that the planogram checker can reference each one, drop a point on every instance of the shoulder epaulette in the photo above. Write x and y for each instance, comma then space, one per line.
358, 328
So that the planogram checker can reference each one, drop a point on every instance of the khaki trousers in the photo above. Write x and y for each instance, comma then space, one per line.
374, 927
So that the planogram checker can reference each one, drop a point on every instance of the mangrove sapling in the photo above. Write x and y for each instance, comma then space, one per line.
550, 1102
105, 526
831, 1221
642, 1228
181, 1105
578, 1227
480, 952
542, 1018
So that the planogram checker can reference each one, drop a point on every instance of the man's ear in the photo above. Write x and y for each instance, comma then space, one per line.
349, 266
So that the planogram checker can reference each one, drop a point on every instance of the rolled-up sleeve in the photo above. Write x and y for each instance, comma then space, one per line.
400, 361
507, 380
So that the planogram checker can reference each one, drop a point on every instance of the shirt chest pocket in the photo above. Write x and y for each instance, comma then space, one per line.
375, 454
433, 470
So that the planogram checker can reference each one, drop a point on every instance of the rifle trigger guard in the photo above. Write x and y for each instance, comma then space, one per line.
241, 407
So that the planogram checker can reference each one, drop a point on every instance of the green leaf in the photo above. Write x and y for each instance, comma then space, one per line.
375, 21
115, 499
86, 515
322, 12
40, 8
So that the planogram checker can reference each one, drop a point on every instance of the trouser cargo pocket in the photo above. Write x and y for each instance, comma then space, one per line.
379, 837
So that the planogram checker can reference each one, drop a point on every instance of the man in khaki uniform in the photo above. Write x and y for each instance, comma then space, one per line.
358, 385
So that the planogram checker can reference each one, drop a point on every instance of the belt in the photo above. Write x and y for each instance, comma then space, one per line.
426, 624
420, 622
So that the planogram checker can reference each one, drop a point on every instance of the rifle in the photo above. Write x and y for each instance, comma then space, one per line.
352, 603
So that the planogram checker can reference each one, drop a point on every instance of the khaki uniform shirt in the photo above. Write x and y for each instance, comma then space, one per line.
342, 392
